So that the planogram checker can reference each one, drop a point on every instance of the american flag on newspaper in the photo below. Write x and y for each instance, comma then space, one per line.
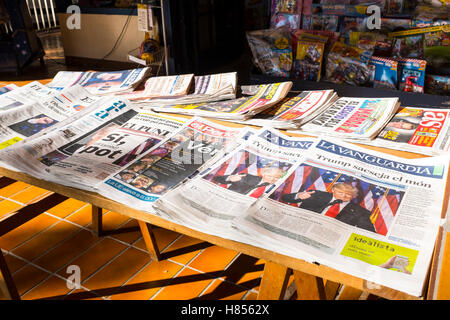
382, 202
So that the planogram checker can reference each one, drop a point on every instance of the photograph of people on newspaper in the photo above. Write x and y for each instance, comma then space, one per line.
248, 174
348, 199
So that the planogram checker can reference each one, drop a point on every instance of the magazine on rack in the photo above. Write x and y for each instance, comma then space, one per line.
357, 119
33, 116
102, 83
167, 164
255, 99
365, 213
207, 88
420, 130
47, 147
218, 195
294, 110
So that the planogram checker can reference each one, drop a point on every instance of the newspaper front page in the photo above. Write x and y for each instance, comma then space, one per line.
353, 118
371, 215
42, 151
167, 164
113, 148
102, 83
25, 95
213, 199
420, 130
7, 88
27, 120
235, 109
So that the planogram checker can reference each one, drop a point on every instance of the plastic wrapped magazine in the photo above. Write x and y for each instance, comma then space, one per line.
272, 51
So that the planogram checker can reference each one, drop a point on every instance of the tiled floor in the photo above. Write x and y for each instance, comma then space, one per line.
40, 253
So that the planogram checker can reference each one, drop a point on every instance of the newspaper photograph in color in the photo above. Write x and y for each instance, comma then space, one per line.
109, 149
103, 82
167, 164
419, 130
368, 214
235, 109
37, 155
213, 199
353, 118
8, 88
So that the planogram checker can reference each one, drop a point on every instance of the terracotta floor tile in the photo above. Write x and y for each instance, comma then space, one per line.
251, 296
28, 277
26, 231
108, 280
148, 281
112, 220
187, 285
95, 257
213, 258
7, 207
14, 263
29, 194
245, 271
128, 237
65, 208
66, 251
184, 249
13, 188
222, 290
163, 238
82, 217
46, 240
53, 288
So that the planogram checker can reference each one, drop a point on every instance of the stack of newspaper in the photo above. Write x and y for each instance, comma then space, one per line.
358, 119
419, 130
208, 88
371, 215
294, 110
245, 107
26, 95
102, 83
171, 87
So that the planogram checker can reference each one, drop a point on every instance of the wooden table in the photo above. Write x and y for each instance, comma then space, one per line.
312, 281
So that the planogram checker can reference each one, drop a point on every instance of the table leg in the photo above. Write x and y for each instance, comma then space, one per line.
274, 282
150, 241
349, 293
97, 220
309, 287
7, 285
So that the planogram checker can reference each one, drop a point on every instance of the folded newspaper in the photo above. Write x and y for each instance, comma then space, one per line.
103, 83
167, 164
371, 215
357, 119
420, 130
40, 152
161, 87
31, 116
207, 88
294, 110
218, 195
25, 95
7, 88
242, 108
